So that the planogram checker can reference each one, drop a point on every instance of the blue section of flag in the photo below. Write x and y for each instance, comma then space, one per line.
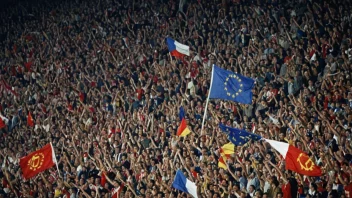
231, 86
238, 137
182, 114
170, 44
180, 181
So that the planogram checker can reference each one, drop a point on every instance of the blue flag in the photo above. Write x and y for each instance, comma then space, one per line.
237, 136
230, 86
182, 114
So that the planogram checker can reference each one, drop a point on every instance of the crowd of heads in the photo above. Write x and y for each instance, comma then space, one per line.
101, 86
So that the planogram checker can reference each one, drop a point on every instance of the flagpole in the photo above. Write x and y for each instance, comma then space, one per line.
54, 158
206, 104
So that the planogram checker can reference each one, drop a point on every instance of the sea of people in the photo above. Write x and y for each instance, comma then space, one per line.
100, 84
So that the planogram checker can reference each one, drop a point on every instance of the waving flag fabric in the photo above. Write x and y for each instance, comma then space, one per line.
183, 129
38, 161
228, 149
185, 185
222, 163
177, 49
182, 113
295, 159
230, 86
238, 137
30, 121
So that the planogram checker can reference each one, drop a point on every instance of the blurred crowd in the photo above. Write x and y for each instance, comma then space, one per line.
97, 77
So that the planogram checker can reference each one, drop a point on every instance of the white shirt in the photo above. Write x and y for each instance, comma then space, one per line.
4, 119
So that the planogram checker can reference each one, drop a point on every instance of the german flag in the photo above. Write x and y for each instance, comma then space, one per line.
183, 129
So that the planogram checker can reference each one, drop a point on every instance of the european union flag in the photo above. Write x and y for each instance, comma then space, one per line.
230, 86
239, 137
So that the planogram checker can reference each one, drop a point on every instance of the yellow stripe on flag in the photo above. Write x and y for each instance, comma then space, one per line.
222, 163
228, 149
183, 129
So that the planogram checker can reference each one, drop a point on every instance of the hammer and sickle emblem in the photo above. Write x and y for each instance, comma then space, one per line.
305, 162
36, 161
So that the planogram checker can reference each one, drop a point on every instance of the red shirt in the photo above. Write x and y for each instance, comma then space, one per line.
287, 58
155, 79
69, 107
81, 97
194, 173
336, 98
28, 65
326, 102
348, 190
311, 53
140, 93
312, 99
286, 190
116, 191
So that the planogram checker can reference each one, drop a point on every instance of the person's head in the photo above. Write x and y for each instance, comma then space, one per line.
81, 181
282, 135
97, 181
251, 188
91, 180
313, 187
258, 194
329, 187
243, 194
279, 195
288, 174
275, 183
236, 187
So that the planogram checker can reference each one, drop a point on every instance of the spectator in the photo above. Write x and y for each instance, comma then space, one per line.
101, 86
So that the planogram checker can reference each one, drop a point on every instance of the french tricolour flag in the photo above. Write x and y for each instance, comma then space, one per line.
183, 184
177, 49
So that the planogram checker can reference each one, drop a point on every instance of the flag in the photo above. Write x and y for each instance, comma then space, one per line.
230, 86
182, 114
177, 49
222, 163
46, 36
295, 159
237, 136
183, 129
38, 161
228, 149
30, 121
2, 123
103, 179
225, 152
183, 184
8, 87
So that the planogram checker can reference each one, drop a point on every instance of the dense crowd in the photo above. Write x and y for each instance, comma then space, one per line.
97, 77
